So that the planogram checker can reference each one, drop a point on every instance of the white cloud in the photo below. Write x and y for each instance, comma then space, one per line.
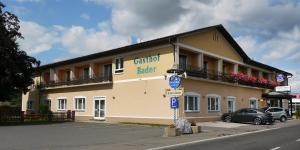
248, 43
283, 45
85, 16
79, 40
75, 39
37, 38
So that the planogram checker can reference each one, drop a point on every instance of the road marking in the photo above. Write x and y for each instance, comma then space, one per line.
298, 140
211, 139
275, 148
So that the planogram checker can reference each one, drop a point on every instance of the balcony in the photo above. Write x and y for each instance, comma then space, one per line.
239, 78
77, 81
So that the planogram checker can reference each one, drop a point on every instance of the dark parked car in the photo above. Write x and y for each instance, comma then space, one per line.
277, 113
248, 115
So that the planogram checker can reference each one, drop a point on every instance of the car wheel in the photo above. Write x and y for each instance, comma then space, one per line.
257, 121
282, 119
227, 119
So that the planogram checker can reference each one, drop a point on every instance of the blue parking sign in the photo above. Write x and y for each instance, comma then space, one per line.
174, 102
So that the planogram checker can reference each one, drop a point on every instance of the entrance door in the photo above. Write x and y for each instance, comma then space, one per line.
182, 62
107, 72
99, 108
231, 104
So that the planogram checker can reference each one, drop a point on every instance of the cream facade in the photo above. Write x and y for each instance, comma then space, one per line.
128, 84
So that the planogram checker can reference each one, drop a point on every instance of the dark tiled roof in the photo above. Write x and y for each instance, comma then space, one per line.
166, 40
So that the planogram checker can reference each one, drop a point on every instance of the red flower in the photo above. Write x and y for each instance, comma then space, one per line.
252, 79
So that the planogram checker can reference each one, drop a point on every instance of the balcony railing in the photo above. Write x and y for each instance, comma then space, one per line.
77, 81
227, 77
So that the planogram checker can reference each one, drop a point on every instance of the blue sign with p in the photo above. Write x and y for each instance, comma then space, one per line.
174, 102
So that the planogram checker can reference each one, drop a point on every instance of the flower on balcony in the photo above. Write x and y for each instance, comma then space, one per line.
233, 75
263, 81
252, 79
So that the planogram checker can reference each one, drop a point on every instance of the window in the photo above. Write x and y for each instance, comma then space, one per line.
62, 104
191, 102
119, 65
231, 104
79, 103
86, 72
30, 105
253, 103
68, 75
213, 103
182, 62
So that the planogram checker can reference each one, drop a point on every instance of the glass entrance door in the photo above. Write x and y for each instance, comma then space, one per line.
99, 108
107, 72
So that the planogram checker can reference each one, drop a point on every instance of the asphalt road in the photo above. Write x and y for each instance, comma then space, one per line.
280, 139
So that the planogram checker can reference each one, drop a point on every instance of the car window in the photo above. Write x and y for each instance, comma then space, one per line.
271, 110
278, 109
241, 111
252, 111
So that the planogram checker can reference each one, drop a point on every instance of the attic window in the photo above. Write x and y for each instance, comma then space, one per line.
215, 36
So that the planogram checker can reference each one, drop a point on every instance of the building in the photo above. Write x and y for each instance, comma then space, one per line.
128, 84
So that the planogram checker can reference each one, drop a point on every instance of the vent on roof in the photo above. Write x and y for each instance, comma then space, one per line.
215, 36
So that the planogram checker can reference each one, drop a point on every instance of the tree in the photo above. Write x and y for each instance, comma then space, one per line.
16, 67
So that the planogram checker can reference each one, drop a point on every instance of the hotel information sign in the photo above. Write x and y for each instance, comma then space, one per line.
280, 78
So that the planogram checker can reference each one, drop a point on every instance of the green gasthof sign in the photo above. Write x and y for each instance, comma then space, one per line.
146, 60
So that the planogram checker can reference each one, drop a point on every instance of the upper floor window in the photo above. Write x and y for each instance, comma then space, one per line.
86, 72
119, 65
182, 62
213, 102
68, 75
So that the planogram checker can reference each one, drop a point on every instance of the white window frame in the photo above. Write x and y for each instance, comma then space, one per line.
193, 94
75, 101
58, 101
253, 99
30, 108
233, 99
118, 69
219, 102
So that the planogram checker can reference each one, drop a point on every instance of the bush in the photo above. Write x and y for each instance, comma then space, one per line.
298, 112
44, 109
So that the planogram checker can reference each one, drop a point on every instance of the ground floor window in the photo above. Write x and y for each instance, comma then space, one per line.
62, 104
30, 105
79, 103
231, 104
253, 103
191, 102
213, 102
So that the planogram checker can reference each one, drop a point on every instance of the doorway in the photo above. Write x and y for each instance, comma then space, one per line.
99, 108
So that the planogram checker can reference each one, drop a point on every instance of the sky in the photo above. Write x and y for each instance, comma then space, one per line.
55, 30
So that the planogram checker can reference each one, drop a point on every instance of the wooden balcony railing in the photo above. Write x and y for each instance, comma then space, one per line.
77, 81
